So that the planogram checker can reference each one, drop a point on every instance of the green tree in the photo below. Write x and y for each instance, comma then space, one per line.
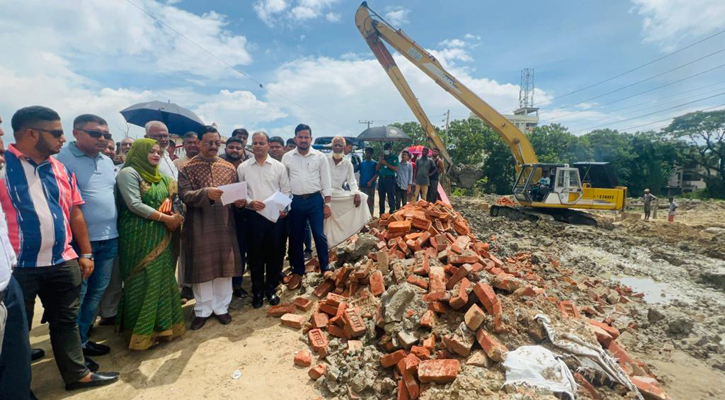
700, 139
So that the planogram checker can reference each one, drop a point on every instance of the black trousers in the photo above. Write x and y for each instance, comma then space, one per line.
265, 252
240, 220
386, 187
15, 355
433, 191
59, 288
401, 197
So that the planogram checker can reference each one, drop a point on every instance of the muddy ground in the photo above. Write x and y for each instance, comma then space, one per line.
680, 267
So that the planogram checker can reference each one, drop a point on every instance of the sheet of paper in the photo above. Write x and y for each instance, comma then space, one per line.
273, 205
233, 192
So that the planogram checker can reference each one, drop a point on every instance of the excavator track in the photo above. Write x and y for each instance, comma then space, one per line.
568, 216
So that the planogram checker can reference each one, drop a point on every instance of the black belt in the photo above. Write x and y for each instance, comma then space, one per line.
307, 196
387, 177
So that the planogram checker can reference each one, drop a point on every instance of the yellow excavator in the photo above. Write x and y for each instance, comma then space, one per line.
541, 188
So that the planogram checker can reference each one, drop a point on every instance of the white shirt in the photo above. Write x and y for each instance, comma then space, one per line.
7, 254
263, 180
341, 173
309, 173
167, 167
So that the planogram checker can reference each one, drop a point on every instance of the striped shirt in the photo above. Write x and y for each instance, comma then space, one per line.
37, 200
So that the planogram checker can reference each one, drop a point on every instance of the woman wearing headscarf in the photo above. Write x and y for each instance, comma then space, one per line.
150, 309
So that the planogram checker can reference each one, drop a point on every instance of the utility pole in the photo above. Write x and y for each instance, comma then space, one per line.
448, 119
365, 122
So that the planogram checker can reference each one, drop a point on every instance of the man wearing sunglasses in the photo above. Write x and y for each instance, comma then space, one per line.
42, 203
96, 178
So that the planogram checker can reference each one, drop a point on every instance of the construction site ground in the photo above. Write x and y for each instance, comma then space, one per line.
677, 328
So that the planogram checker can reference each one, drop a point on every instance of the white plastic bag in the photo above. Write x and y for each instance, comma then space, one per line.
538, 367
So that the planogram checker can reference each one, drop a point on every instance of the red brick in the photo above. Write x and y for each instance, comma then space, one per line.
568, 309
318, 341
354, 325
303, 358
507, 282
437, 296
293, 320
604, 338
495, 260
438, 307
423, 239
420, 352
316, 372
303, 303
428, 320
436, 278
488, 298
336, 331
422, 224
474, 317
493, 348
438, 371
342, 275
280, 310
392, 359
320, 320
324, 288
377, 287
579, 378
649, 387
400, 227
462, 272
461, 243
402, 391
417, 281
468, 257
409, 363
461, 298
612, 331
328, 309
459, 345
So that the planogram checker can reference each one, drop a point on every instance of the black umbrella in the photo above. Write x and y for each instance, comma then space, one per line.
178, 119
384, 134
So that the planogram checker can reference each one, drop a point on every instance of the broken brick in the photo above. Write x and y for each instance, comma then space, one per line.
392, 359
293, 320
493, 348
417, 281
474, 317
329, 309
612, 331
430, 342
568, 309
420, 352
428, 320
462, 272
320, 320
438, 371
317, 372
488, 298
436, 278
280, 310
377, 287
649, 387
461, 297
303, 303
323, 288
303, 358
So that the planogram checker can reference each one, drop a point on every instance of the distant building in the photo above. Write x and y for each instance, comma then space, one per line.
526, 119
686, 180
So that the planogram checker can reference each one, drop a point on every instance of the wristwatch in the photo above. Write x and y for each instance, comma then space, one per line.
88, 256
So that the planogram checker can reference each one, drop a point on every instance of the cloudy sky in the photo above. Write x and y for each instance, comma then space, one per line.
100, 56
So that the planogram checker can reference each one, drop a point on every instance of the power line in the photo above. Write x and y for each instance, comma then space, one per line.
246, 75
645, 80
639, 67
638, 94
648, 114
667, 119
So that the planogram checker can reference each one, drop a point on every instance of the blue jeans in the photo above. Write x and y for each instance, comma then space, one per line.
304, 211
93, 288
15, 371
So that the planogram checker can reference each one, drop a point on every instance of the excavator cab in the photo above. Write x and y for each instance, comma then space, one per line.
545, 184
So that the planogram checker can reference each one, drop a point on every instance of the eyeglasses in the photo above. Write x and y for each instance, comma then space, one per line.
57, 133
97, 134
212, 143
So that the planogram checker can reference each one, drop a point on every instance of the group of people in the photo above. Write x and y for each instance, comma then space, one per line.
400, 179
123, 232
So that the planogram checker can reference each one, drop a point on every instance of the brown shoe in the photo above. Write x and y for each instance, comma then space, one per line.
224, 319
198, 323
294, 282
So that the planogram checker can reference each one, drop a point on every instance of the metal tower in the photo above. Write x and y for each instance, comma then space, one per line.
526, 93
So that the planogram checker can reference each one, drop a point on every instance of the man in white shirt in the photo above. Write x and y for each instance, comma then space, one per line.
347, 215
309, 177
265, 176
158, 131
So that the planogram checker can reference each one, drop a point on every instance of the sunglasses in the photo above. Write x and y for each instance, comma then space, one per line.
57, 133
98, 134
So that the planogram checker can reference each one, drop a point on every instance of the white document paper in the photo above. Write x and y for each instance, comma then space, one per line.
233, 192
273, 205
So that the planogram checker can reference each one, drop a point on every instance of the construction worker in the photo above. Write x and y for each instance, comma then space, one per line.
647, 198
673, 209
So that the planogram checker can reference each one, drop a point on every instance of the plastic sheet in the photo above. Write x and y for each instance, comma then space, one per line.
538, 367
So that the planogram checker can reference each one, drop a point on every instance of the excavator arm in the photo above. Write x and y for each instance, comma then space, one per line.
375, 30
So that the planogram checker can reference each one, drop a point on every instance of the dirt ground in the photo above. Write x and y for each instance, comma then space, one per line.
679, 325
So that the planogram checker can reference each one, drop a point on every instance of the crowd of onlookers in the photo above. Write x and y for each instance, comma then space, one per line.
130, 231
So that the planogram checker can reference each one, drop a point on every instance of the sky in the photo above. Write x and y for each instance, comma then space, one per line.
271, 64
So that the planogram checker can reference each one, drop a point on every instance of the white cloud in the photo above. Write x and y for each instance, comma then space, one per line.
396, 15
275, 12
470, 36
333, 17
237, 109
452, 43
670, 23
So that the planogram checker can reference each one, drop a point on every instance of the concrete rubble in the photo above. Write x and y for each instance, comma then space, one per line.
419, 307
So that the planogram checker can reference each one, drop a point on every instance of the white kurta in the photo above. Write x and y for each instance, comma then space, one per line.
346, 219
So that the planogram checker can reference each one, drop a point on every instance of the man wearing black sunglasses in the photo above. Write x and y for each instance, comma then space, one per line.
96, 178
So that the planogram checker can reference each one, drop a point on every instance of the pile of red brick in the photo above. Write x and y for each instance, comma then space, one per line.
457, 276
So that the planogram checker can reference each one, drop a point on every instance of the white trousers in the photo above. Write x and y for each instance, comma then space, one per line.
212, 297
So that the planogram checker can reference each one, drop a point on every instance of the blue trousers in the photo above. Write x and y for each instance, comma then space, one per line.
15, 354
304, 211
93, 288
386, 187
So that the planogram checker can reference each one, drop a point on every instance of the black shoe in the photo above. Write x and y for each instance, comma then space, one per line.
257, 300
186, 293
108, 321
100, 379
241, 293
273, 299
94, 349
36, 354
308, 256
198, 323
92, 365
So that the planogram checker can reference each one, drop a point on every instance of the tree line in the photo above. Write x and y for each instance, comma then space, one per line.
641, 159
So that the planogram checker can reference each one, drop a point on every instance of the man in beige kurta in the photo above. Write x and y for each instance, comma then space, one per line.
209, 235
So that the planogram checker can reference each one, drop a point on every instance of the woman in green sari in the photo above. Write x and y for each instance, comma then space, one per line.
150, 309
